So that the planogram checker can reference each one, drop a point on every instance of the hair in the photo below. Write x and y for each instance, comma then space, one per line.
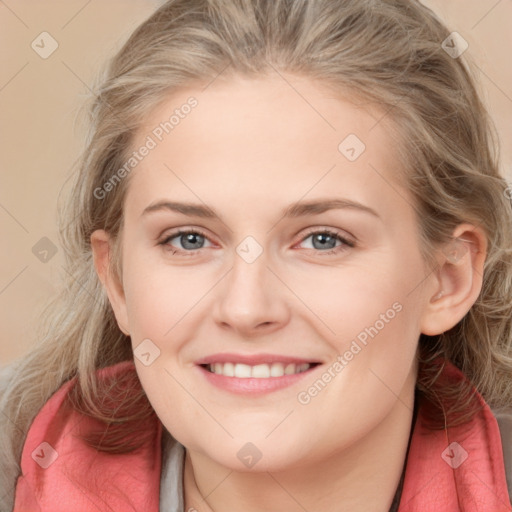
385, 52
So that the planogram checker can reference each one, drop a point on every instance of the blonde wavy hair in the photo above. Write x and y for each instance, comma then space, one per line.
387, 52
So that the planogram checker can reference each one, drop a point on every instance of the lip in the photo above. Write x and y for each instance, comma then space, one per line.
252, 359
253, 386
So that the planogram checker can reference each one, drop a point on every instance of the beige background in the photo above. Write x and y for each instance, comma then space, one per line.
40, 98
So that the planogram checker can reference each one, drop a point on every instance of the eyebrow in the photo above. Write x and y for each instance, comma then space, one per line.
299, 209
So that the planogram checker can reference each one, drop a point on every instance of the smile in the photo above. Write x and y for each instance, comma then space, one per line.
254, 374
259, 371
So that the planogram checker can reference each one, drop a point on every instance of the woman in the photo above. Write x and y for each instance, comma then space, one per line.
258, 370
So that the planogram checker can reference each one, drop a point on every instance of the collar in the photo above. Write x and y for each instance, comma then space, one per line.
456, 468
60, 472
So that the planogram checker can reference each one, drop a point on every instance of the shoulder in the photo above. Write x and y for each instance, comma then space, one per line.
75, 450
504, 418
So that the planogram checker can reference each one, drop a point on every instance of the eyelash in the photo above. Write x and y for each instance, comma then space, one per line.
345, 242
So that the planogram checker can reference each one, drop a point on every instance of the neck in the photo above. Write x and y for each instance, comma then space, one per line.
363, 477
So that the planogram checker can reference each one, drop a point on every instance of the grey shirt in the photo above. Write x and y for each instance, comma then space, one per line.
171, 479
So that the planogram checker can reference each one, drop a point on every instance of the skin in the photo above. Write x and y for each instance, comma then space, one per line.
251, 148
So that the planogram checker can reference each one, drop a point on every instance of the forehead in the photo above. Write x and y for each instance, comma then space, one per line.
283, 135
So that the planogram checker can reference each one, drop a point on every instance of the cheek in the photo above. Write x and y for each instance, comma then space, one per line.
377, 299
159, 295
176, 406
374, 329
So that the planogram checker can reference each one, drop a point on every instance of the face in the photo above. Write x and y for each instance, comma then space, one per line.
284, 308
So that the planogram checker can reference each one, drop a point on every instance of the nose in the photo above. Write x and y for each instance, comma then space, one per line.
251, 300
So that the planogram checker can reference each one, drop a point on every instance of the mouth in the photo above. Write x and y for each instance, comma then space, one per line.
258, 371
254, 373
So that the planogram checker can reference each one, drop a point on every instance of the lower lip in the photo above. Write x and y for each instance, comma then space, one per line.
252, 385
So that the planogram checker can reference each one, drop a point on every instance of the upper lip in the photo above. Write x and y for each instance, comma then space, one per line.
253, 359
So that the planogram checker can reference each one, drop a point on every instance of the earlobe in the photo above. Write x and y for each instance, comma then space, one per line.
101, 245
458, 280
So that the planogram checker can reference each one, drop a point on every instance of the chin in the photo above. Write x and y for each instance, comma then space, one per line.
259, 456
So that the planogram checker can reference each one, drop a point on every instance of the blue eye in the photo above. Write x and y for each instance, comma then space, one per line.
323, 241
188, 238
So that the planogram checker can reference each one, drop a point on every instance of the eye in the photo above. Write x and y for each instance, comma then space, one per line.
325, 240
190, 240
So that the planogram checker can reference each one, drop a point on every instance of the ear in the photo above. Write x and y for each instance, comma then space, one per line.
102, 252
457, 281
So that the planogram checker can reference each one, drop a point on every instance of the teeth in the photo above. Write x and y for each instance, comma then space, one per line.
290, 369
259, 371
242, 371
228, 370
277, 370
